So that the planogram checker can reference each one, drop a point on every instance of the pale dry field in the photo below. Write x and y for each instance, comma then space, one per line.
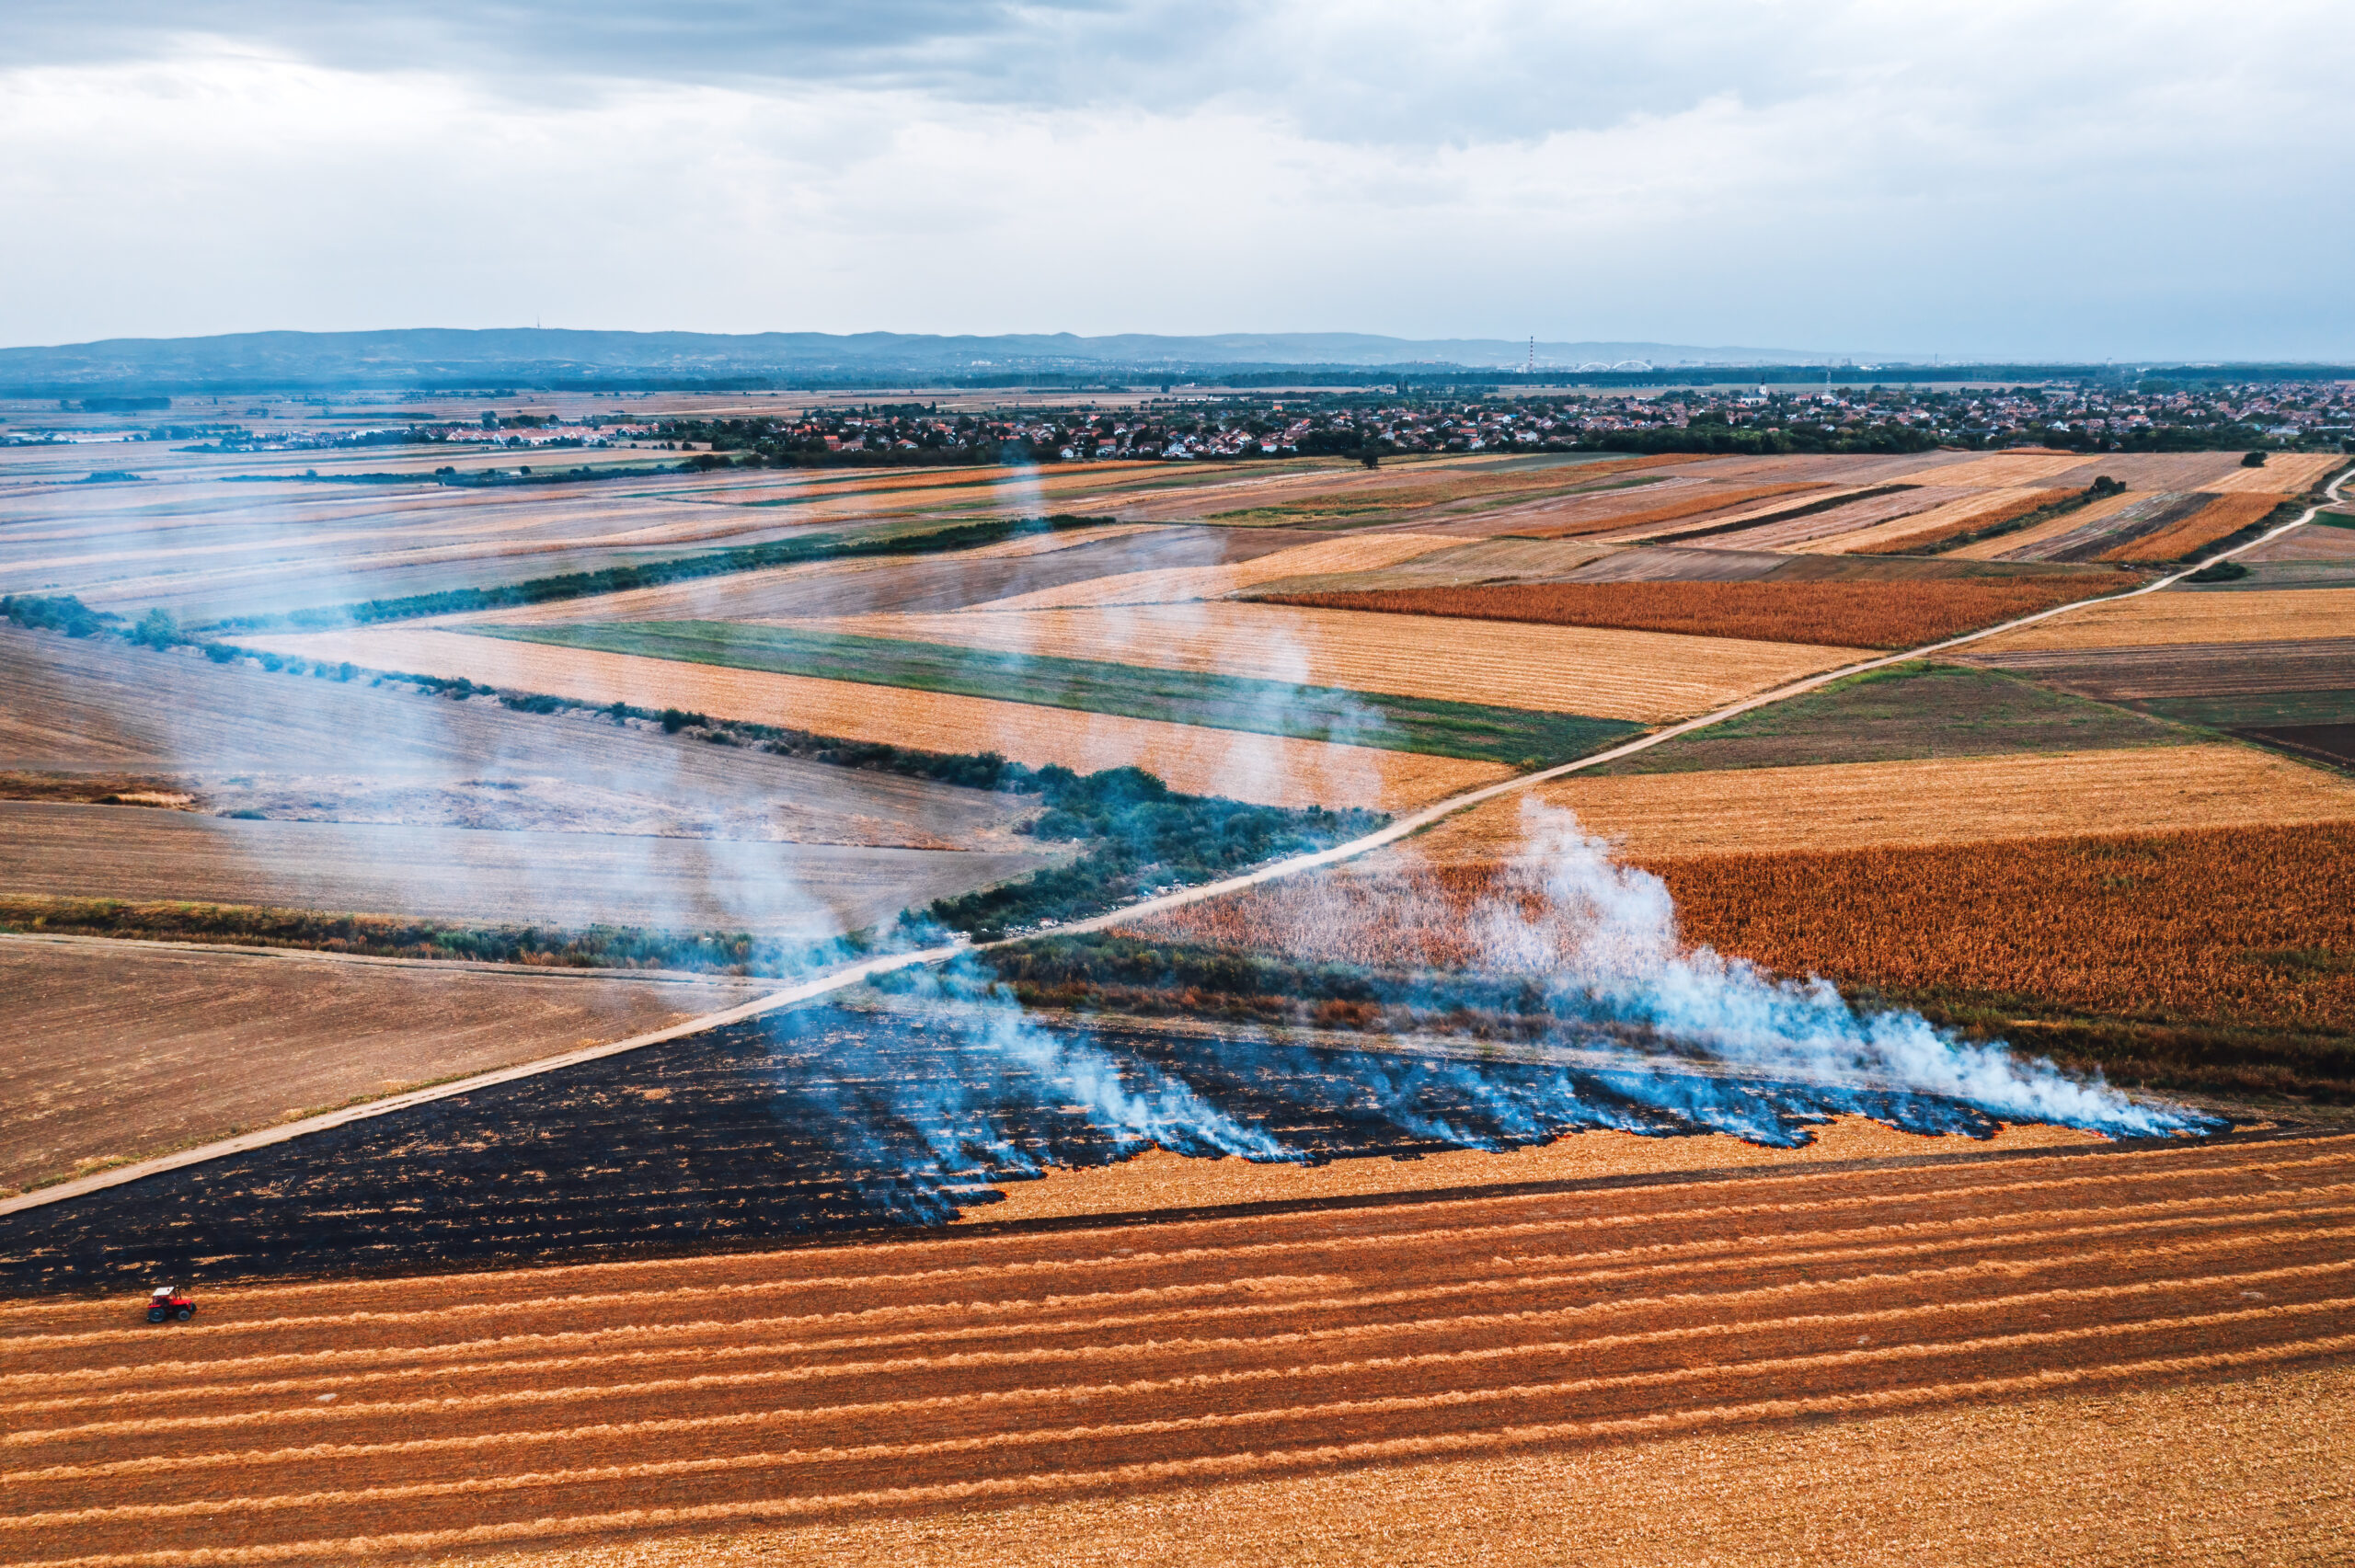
2158, 620
1946, 800
1632, 1354
2283, 471
1643, 676
1993, 472
1794, 535
1362, 552
1711, 521
125, 1049
1269, 770
1961, 509
2316, 542
2010, 546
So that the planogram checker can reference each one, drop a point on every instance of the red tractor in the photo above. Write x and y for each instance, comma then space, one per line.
169, 1303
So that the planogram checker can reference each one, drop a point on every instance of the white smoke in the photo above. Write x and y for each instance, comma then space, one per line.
1605, 935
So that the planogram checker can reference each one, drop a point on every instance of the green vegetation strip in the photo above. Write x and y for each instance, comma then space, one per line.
1512, 736
654, 574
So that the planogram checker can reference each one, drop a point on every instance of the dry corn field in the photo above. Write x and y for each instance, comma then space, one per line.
1267, 768
2226, 514
1948, 800
1363, 553
2160, 620
1642, 676
1842, 614
946, 1377
2202, 925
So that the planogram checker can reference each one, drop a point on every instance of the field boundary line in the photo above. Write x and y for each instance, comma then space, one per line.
842, 980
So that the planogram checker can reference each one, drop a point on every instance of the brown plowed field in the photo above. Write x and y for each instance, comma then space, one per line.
2156, 620
455, 1414
2184, 669
2316, 542
1840, 614
1351, 552
1569, 519
123, 1050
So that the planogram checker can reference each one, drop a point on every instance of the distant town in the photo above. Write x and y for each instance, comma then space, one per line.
1187, 424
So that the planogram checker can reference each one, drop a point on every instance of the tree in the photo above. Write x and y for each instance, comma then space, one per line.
2253, 459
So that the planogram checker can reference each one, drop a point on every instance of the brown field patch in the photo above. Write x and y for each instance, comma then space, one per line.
2183, 669
1796, 534
1968, 515
1844, 615
1263, 768
947, 1378
1950, 800
1357, 553
125, 1049
1600, 673
2156, 619
2226, 514
2314, 542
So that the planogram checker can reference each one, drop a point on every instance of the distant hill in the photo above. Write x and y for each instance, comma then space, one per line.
432, 356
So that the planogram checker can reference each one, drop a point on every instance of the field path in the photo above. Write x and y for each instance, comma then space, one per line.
448, 1413
1400, 828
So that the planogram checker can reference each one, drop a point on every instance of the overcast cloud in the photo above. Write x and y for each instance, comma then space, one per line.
2041, 181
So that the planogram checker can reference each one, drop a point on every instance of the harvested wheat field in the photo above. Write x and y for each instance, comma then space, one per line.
2027, 544
2157, 620
2117, 1477
1642, 676
1949, 800
2287, 471
1904, 535
1840, 614
946, 1380
1369, 552
2226, 514
1995, 471
1267, 768
1670, 501
124, 1049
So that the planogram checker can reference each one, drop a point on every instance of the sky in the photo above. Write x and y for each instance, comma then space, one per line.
2067, 179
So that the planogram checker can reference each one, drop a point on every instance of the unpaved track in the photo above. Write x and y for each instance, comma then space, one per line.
307, 1423
1400, 828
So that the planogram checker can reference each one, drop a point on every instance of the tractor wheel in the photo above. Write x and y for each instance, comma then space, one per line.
185, 1313
156, 1314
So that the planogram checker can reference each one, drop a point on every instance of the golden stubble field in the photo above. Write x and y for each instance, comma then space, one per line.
1941, 801
2158, 620
970, 1387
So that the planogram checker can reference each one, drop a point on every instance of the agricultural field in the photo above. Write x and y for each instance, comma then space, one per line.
1637, 676
1245, 765
995, 1374
128, 1050
1135, 1177
1957, 800
1842, 614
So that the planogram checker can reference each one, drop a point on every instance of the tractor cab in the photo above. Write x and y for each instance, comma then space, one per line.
167, 1304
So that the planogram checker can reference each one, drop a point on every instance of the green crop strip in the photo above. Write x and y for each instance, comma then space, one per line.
1515, 737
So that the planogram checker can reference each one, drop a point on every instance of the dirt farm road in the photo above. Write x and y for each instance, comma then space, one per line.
1402, 827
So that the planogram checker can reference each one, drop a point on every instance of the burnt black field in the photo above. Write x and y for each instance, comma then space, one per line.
831, 1121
